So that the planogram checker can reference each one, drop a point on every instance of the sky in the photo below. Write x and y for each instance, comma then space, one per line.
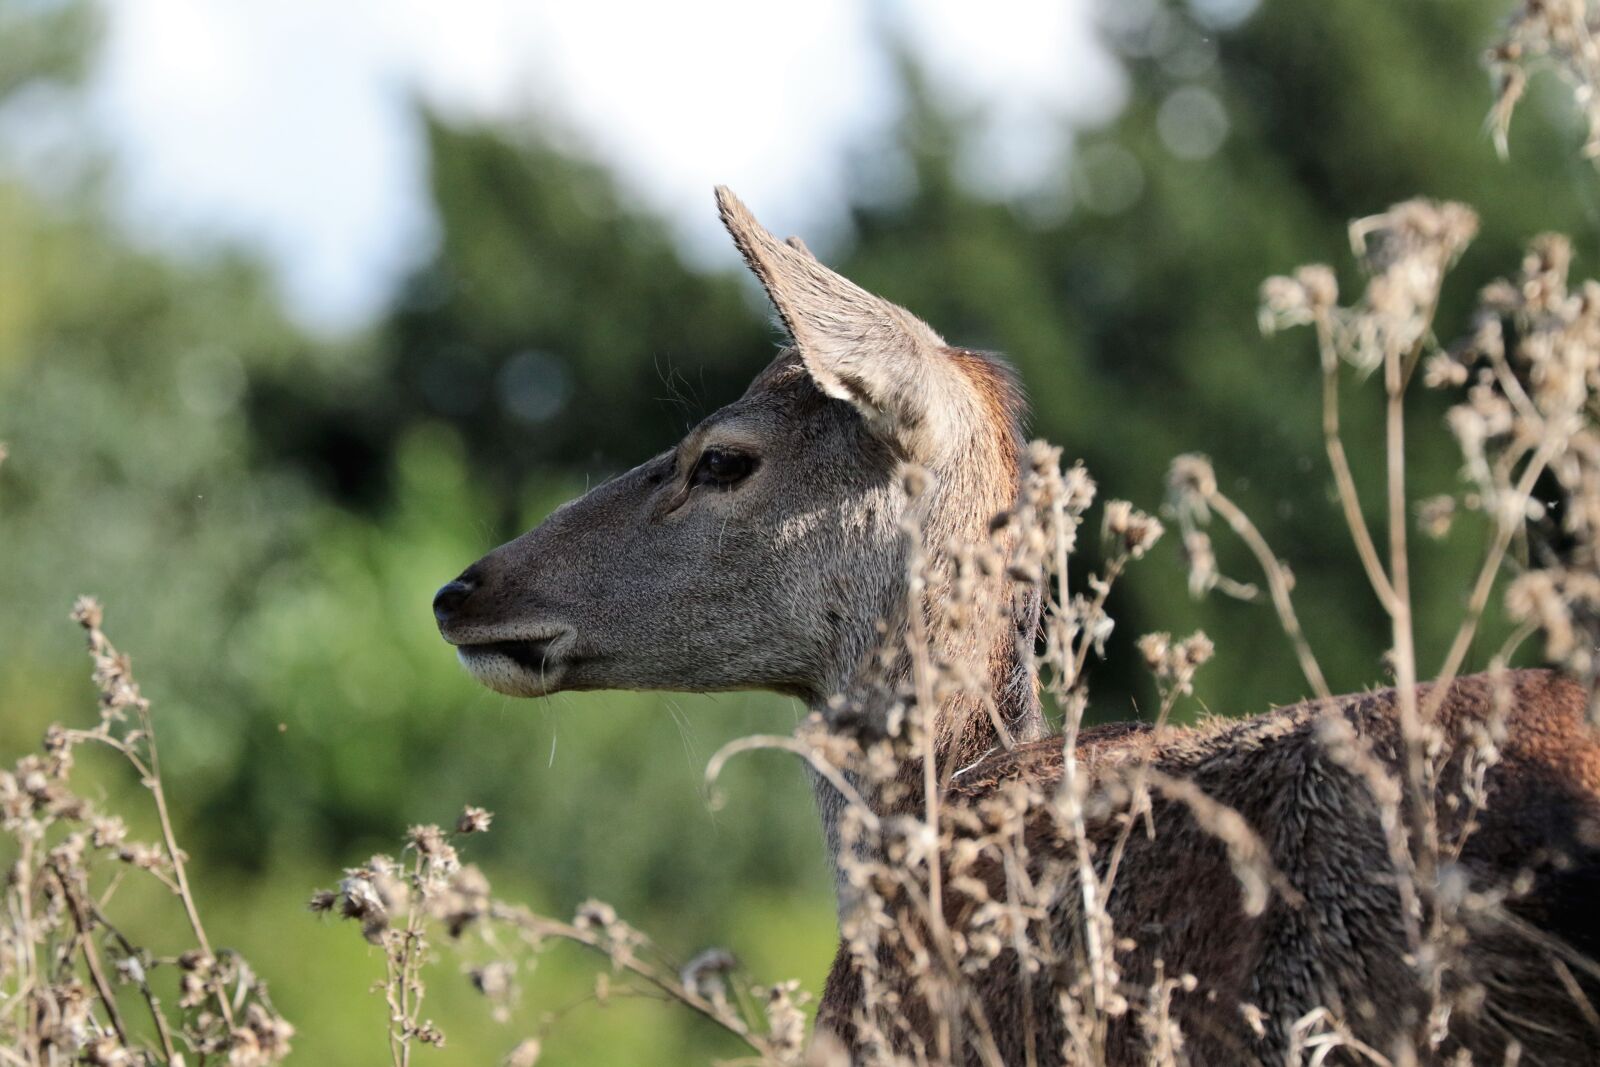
290, 125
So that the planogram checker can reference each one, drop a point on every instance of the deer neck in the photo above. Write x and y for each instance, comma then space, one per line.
969, 723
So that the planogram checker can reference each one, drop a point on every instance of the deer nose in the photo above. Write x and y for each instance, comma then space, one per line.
448, 600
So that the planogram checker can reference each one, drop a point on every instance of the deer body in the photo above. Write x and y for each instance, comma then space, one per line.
768, 550
1342, 945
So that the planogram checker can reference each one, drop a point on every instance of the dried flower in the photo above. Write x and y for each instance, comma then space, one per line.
1442, 371
1556, 34
1130, 530
361, 899
704, 975
786, 1022
261, 1041
595, 915
1286, 302
1435, 515
1174, 663
1191, 482
526, 1054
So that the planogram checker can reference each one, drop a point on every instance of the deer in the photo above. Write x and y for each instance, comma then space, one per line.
768, 550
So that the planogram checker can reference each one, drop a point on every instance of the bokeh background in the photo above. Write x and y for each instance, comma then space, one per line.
305, 305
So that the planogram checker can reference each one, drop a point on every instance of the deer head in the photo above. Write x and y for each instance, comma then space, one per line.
765, 550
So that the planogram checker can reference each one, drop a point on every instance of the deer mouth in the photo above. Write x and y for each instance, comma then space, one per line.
529, 655
523, 667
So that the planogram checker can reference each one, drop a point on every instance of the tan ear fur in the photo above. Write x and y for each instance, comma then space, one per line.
856, 346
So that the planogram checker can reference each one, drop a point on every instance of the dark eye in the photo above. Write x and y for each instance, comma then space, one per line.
722, 468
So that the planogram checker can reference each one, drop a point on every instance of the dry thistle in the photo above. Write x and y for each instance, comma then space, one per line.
1174, 663
401, 906
61, 950
1557, 35
1129, 530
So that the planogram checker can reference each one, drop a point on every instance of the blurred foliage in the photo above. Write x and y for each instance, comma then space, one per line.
43, 42
555, 327
266, 514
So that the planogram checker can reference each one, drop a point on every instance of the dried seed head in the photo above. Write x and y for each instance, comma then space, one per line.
1191, 483
143, 855
1435, 515
1077, 490
1196, 650
1442, 371
361, 899
262, 1040
1283, 304
705, 974
595, 915
428, 1034
493, 980
1155, 648
526, 1054
461, 901
131, 969
428, 840
786, 1022
1129, 530
439, 856
107, 831
1174, 663
1536, 597
1320, 286
87, 612
1043, 457
1286, 302
1432, 231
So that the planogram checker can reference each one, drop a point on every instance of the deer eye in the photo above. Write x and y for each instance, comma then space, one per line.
722, 468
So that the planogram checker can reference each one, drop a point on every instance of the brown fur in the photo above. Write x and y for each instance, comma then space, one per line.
1340, 945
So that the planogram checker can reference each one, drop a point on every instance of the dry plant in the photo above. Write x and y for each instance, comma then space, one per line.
429, 896
1558, 35
1530, 371
65, 962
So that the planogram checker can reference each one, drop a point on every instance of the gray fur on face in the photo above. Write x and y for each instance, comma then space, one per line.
662, 584
783, 581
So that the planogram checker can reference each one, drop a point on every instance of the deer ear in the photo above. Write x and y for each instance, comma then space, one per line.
857, 347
